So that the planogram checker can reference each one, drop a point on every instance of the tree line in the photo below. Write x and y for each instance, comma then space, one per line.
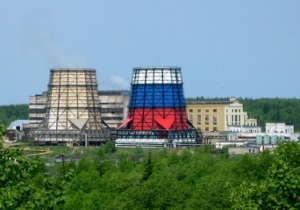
10, 113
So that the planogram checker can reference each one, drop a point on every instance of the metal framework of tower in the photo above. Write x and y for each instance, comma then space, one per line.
157, 113
72, 108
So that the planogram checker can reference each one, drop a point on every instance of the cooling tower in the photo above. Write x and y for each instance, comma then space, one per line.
156, 109
72, 111
73, 101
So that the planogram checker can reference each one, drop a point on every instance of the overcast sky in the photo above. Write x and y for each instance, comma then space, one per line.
225, 48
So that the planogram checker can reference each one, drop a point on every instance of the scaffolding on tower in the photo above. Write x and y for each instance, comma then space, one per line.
157, 115
72, 112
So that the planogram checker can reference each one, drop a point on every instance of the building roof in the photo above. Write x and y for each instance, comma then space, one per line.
113, 92
16, 123
208, 102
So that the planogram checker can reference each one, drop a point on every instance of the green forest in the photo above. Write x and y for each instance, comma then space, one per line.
136, 178
10, 113
285, 110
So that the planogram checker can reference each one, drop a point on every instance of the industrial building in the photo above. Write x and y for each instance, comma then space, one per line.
74, 110
244, 129
113, 106
254, 141
157, 114
217, 115
279, 128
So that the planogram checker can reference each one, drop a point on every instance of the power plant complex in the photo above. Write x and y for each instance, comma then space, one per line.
154, 113
71, 110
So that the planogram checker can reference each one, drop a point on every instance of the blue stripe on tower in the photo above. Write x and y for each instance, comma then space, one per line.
157, 95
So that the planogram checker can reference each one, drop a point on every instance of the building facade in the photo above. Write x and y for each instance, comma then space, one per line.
244, 129
114, 106
37, 110
217, 115
279, 128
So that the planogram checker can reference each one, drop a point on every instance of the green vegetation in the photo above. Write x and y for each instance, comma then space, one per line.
107, 177
286, 110
10, 113
22, 182
274, 110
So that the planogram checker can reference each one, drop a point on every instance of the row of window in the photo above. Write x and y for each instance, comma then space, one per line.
206, 110
215, 118
234, 110
207, 123
37, 110
36, 118
235, 117
207, 128
111, 110
112, 118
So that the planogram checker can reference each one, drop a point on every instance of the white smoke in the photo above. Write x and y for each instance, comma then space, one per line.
119, 82
38, 37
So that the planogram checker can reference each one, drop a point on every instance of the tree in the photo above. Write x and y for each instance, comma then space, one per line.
2, 133
148, 167
110, 147
280, 189
17, 191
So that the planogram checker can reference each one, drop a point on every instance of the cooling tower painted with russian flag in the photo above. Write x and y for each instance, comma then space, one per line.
156, 108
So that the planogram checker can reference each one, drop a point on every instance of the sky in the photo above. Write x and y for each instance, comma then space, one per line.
224, 48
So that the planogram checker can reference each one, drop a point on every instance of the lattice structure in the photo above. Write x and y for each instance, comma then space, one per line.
73, 101
72, 107
157, 107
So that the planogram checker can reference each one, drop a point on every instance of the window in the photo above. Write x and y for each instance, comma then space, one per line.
214, 110
206, 117
198, 110
198, 123
206, 123
206, 110
37, 111
206, 129
215, 123
190, 117
112, 118
215, 118
215, 129
191, 110
198, 117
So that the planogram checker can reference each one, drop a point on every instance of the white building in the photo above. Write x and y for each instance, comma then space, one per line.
236, 116
244, 129
279, 128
